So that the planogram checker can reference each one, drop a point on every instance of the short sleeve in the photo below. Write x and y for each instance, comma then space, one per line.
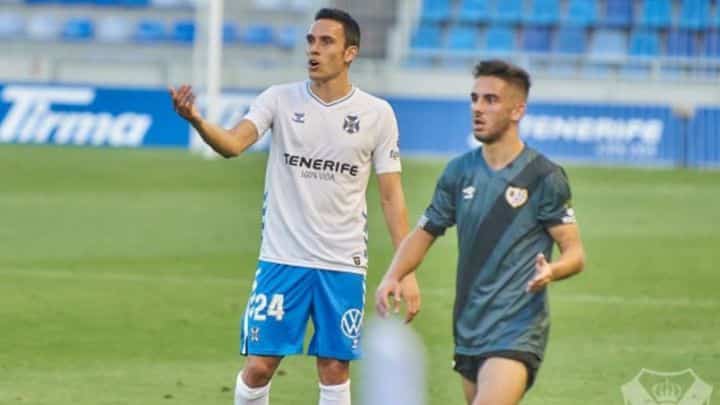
386, 154
440, 215
262, 111
555, 201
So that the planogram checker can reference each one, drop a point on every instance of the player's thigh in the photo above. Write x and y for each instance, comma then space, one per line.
500, 381
469, 388
278, 310
337, 312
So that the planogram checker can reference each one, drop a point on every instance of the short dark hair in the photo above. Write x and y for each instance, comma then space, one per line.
350, 26
506, 71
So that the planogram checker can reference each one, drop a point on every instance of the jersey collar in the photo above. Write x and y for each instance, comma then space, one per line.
332, 103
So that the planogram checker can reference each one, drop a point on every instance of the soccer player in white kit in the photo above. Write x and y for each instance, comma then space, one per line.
326, 135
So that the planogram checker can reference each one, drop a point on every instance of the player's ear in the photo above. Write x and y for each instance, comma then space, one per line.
350, 53
518, 111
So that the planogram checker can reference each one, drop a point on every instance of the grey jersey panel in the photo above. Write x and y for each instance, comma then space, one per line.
493, 311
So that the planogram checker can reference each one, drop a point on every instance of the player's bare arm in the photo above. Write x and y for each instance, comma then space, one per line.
570, 262
392, 200
408, 257
228, 143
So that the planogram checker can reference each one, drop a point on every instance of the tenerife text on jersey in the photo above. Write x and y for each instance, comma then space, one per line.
325, 165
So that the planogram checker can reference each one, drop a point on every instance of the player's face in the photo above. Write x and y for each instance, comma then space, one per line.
496, 106
327, 55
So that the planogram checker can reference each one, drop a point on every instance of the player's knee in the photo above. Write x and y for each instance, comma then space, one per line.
333, 372
258, 373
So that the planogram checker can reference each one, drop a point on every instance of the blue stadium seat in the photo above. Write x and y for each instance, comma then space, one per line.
570, 40
711, 44
12, 25
544, 12
499, 38
149, 31
435, 10
183, 31
644, 43
656, 14
111, 3
43, 27
681, 43
508, 12
427, 36
230, 33
258, 35
581, 13
536, 39
462, 37
287, 37
78, 29
113, 30
695, 14
609, 44
135, 3
474, 11
618, 13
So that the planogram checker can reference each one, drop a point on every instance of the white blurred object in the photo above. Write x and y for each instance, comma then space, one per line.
43, 27
393, 365
114, 30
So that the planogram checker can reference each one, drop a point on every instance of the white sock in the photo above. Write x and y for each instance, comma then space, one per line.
335, 394
245, 395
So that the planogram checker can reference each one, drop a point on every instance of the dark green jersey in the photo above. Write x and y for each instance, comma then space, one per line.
502, 219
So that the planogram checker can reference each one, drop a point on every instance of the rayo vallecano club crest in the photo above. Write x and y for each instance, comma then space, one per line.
516, 196
674, 388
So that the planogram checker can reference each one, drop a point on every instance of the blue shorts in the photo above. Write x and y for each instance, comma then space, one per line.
284, 298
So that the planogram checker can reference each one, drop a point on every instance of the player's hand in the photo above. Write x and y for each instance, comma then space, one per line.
543, 274
183, 100
410, 293
387, 296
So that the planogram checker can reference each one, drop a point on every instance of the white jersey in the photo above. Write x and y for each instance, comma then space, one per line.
314, 210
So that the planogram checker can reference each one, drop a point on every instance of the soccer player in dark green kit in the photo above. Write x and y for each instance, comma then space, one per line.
510, 204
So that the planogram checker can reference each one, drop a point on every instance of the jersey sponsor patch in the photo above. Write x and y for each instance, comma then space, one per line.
516, 196
351, 322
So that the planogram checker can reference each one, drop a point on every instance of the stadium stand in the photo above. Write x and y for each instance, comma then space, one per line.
621, 34
612, 35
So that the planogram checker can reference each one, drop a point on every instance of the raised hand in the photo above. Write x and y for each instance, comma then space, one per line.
543, 274
184, 102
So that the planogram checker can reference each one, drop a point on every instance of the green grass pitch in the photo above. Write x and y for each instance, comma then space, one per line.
124, 274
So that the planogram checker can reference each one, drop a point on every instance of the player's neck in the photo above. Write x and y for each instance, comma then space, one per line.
500, 153
332, 89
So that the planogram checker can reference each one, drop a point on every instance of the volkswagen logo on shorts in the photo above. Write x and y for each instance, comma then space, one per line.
351, 322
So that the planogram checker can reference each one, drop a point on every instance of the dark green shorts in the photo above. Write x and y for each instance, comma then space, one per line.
468, 366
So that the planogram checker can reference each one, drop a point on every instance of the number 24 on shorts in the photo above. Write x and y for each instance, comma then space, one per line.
259, 303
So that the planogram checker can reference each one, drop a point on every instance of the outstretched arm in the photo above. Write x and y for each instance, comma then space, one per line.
407, 258
570, 262
392, 200
228, 143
